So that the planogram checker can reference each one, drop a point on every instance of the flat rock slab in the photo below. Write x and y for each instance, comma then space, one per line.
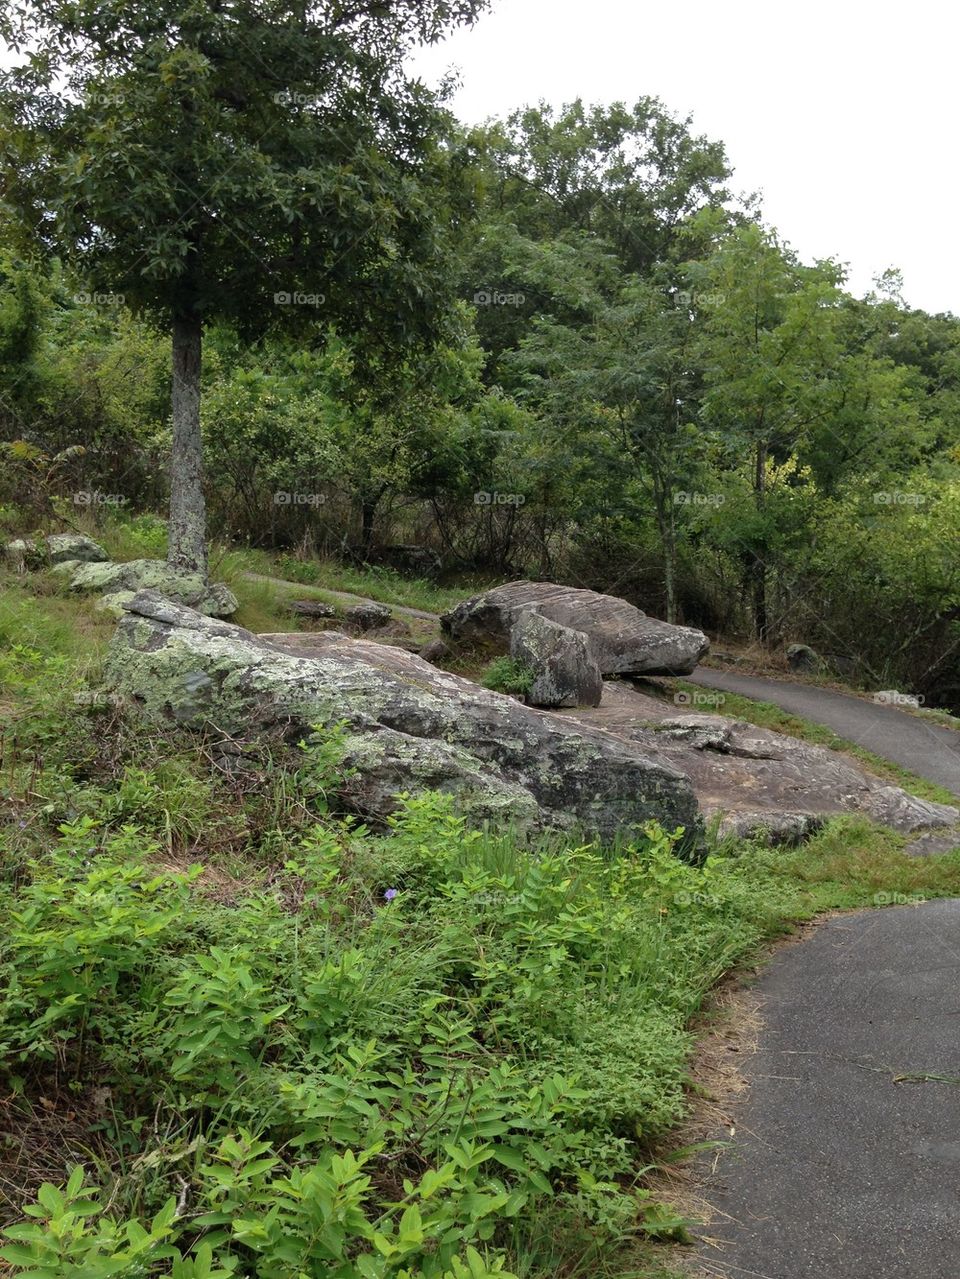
753, 779
623, 638
929, 750
837, 1170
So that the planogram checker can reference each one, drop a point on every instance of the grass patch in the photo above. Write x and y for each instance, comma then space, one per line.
35, 613
767, 715
369, 581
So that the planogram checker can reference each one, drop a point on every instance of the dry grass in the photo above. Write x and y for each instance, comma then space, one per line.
41, 1135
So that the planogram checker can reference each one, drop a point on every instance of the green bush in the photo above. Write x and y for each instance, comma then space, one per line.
506, 675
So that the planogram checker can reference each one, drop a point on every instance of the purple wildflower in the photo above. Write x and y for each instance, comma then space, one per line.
390, 894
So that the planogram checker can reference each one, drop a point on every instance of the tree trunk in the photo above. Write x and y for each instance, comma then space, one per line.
759, 568
188, 540
368, 513
669, 580
666, 526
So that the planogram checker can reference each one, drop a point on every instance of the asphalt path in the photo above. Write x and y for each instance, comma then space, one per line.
846, 1160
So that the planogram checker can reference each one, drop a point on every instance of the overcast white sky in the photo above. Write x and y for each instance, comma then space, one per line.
844, 115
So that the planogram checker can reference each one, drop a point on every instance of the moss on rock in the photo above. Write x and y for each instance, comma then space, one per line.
179, 585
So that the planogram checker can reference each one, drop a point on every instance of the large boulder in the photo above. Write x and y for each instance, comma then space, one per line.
624, 640
564, 668
409, 727
211, 598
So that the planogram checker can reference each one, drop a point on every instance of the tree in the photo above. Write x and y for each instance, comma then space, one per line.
22, 304
616, 183
619, 395
786, 376
264, 162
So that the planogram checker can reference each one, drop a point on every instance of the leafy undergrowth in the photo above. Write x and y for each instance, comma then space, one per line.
507, 675
244, 1035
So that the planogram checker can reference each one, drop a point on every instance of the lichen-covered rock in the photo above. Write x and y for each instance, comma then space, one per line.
114, 604
23, 553
59, 548
802, 658
624, 640
564, 668
409, 727
74, 546
217, 601
191, 589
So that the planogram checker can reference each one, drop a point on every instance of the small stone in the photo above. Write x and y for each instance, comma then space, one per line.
74, 546
311, 608
23, 553
367, 616
802, 658
436, 651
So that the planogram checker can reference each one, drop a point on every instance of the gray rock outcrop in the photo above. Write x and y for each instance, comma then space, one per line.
74, 546
210, 598
409, 726
624, 640
751, 779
